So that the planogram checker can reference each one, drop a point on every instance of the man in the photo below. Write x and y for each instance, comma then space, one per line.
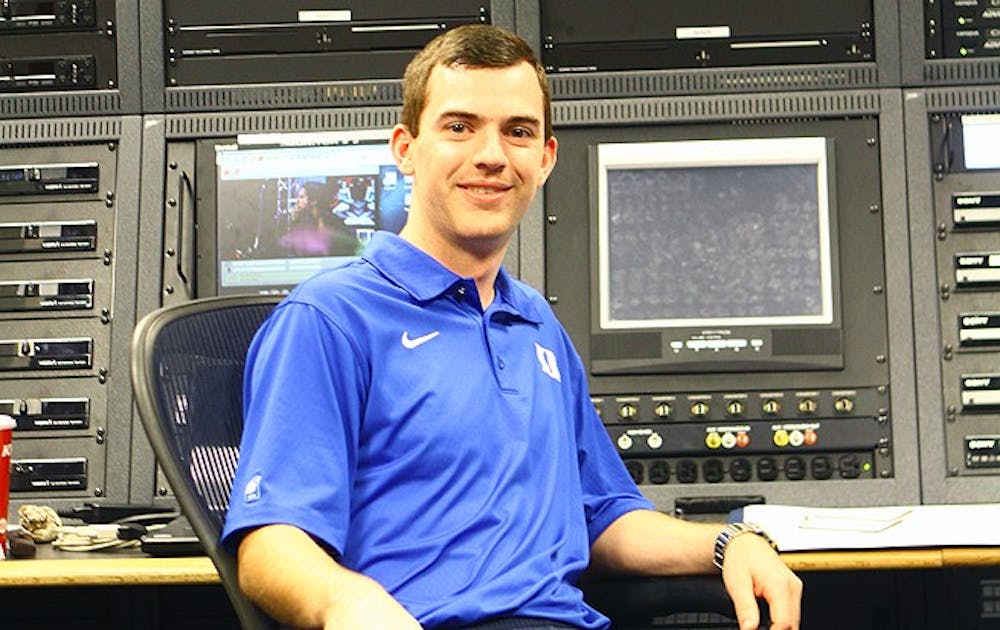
420, 448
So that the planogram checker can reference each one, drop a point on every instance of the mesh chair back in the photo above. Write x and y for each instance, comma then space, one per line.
187, 373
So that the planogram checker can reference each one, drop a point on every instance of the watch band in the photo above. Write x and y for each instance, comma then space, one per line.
731, 531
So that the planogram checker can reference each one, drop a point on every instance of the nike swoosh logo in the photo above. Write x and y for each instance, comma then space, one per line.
410, 344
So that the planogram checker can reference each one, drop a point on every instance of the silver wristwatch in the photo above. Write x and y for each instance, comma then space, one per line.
732, 530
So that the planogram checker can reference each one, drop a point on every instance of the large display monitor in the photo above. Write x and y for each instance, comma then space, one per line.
721, 202
725, 286
289, 205
716, 248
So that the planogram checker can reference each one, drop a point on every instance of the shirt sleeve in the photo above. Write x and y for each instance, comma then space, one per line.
608, 489
304, 392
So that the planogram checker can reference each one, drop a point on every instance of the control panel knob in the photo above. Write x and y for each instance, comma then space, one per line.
843, 405
807, 406
628, 411
735, 408
699, 409
663, 410
771, 407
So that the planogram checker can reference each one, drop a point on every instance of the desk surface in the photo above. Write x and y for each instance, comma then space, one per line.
136, 570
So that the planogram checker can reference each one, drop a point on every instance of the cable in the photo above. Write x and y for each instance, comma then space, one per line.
43, 524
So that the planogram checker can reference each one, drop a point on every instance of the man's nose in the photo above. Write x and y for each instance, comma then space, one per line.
491, 152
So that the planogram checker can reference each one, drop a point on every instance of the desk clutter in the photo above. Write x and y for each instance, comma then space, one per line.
803, 528
90, 527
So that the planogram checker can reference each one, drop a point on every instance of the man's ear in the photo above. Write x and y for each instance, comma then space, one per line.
549, 155
401, 144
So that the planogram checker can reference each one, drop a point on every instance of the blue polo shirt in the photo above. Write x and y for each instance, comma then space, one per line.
451, 454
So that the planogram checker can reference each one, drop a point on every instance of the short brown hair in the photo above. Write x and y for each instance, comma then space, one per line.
473, 46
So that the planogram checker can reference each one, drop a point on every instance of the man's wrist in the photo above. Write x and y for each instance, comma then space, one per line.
730, 532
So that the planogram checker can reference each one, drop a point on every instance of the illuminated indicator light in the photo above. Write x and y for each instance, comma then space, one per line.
867, 467
781, 438
742, 439
624, 442
728, 440
795, 438
713, 440
810, 437
963, 51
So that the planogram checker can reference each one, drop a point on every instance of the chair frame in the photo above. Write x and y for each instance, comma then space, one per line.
143, 375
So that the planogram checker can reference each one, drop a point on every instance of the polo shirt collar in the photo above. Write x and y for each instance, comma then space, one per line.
425, 279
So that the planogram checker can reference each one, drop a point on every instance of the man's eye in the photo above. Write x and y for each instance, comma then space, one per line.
457, 127
521, 132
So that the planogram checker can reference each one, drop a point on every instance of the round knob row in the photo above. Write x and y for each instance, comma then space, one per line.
735, 408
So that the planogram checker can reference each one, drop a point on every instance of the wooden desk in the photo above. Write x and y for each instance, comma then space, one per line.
107, 570
137, 570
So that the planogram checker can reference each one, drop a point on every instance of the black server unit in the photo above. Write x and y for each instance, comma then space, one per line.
955, 208
60, 57
67, 45
961, 29
266, 55
266, 42
704, 34
734, 276
68, 193
949, 42
651, 48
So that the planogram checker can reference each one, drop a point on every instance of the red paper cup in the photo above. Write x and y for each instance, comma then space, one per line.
7, 425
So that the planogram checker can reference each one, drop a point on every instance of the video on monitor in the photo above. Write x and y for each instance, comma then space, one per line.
714, 234
290, 205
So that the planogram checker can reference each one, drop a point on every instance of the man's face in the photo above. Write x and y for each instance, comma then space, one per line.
480, 157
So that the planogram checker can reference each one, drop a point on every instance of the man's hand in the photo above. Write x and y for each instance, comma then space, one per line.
752, 569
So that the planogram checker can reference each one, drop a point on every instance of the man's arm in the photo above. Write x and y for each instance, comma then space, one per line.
284, 571
652, 543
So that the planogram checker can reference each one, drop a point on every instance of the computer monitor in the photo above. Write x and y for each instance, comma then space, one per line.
723, 205
290, 205
722, 248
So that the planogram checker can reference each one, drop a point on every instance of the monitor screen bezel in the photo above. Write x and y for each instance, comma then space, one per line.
209, 215
696, 154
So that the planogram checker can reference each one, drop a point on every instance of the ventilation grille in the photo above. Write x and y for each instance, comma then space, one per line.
752, 107
962, 71
742, 80
202, 125
283, 96
969, 99
62, 104
47, 131
990, 597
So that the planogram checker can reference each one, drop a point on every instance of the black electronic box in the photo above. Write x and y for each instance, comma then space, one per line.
217, 43
712, 33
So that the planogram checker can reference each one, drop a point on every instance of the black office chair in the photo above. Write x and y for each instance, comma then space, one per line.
187, 373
